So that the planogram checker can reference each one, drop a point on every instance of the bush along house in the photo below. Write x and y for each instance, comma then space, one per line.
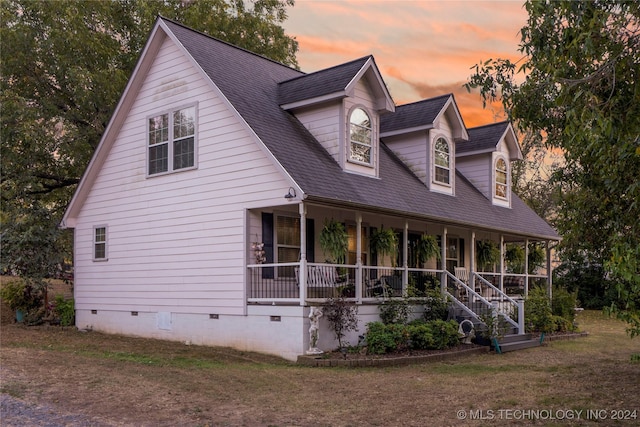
207, 210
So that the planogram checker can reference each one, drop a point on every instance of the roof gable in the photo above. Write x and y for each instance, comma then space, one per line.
334, 83
154, 42
485, 139
422, 115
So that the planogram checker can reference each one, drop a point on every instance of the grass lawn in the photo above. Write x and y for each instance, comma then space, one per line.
133, 381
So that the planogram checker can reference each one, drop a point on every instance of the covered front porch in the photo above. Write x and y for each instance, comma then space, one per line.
477, 269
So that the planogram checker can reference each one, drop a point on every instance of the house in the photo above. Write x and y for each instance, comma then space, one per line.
198, 218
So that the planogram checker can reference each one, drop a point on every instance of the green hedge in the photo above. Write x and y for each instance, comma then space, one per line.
418, 335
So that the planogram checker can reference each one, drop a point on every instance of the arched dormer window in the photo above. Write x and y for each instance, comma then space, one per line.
442, 158
501, 179
360, 137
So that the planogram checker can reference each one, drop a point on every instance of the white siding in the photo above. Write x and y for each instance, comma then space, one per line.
412, 150
324, 124
477, 169
176, 243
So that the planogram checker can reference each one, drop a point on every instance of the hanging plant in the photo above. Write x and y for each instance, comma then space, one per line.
487, 254
514, 256
334, 240
536, 257
385, 242
427, 248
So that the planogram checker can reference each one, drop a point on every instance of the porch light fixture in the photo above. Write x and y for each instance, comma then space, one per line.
291, 194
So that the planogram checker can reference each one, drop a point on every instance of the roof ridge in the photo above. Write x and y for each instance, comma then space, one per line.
327, 69
489, 124
163, 18
447, 95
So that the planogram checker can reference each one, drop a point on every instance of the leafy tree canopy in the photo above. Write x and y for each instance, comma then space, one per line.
581, 94
64, 65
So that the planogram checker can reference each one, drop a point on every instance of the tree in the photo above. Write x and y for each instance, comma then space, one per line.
64, 65
581, 95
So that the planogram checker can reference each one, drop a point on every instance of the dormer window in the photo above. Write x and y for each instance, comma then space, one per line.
360, 137
501, 179
442, 158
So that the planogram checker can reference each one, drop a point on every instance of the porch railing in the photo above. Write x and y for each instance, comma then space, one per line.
513, 284
270, 283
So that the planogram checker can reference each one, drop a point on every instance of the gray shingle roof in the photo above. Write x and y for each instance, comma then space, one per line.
320, 83
482, 138
251, 83
416, 114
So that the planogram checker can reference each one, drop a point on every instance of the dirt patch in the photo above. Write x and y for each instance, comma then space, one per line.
115, 380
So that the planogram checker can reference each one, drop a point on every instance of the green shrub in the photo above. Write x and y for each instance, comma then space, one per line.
383, 338
64, 309
537, 311
436, 306
420, 335
560, 324
445, 333
563, 303
395, 311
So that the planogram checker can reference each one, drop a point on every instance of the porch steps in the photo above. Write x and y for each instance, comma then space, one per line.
515, 342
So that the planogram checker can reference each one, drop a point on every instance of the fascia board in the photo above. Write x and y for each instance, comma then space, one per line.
450, 104
513, 145
407, 130
323, 201
127, 98
388, 104
474, 152
312, 101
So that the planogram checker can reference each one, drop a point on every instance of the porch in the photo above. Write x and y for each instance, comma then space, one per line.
313, 283
286, 271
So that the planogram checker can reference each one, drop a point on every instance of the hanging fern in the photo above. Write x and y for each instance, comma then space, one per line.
487, 254
427, 248
385, 242
334, 240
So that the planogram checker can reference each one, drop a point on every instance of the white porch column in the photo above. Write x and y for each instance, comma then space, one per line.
526, 267
405, 255
358, 258
502, 263
520, 317
443, 255
549, 272
472, 254
303, 252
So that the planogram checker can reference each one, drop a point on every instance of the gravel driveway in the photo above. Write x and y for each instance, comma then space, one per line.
17, 413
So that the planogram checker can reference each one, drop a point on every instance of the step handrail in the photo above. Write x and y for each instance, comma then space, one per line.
489, 284
484, 301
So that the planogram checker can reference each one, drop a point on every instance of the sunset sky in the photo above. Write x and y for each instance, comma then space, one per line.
423, 48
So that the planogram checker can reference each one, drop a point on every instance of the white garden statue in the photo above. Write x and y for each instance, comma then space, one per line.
314, 315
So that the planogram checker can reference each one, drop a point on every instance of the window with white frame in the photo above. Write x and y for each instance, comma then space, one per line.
501, 179
172, 141
100, 243
442, 162
360, 137
287, 242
